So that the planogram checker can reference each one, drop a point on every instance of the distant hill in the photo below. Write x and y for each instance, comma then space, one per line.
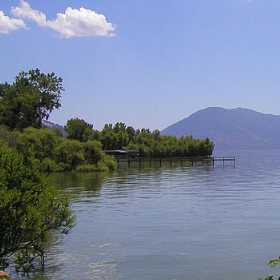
230, 128
52, 125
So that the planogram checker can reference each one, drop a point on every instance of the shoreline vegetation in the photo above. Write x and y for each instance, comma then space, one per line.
69, 153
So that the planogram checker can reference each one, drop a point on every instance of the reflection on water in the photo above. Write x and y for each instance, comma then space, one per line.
86, 181
172, 222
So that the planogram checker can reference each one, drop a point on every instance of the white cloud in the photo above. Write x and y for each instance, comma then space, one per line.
9, 24
25, 11
82, 22
74, 22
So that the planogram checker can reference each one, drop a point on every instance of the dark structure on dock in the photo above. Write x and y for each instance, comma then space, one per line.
122, 154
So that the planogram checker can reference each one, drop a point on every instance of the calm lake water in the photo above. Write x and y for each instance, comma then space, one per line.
173, 223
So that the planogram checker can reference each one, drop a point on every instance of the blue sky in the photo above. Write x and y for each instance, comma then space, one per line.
146, 63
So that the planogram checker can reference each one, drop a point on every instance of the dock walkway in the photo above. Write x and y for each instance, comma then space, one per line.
170, 160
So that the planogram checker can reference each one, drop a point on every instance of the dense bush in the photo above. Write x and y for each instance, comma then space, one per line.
31, 212
62, 154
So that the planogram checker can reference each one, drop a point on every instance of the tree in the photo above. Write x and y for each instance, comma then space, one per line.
119, 127
30, 210
30, 99
78, 129
93, 152
114, 138
42, 141
108, 137
9, 137
69, 154
131, 133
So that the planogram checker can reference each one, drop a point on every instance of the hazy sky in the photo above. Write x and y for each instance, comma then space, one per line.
147, 63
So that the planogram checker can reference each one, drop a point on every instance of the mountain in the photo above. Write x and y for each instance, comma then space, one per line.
230, 128
52, 125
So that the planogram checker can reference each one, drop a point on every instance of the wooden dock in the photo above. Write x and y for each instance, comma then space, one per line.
224, 159
183, 161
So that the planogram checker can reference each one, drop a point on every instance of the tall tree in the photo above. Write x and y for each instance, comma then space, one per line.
30, 99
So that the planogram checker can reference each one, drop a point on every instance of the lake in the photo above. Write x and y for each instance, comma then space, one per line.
173, 222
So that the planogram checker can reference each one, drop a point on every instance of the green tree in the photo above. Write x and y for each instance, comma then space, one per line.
131, 134
69, 154
42, 141
119, 127
169, 145
206, 147
93, 152
30, 99
78, 129
145, 140
108, 138
8, 136
30, 210
156, 134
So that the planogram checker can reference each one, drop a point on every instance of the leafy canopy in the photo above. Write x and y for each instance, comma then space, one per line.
30, 99
30, 210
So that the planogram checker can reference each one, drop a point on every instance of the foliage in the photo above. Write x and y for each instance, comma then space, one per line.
107, 163
271, 263
86, 167
42, 141
152, 144
30, 211
78, 129
65, 154
8, 136
58, 153
62, 154
30, 99
268, 277
92, 151
70, 154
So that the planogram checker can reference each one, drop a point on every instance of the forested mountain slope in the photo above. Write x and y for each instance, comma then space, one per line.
230, 128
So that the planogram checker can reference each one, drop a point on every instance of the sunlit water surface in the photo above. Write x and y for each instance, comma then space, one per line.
173, 222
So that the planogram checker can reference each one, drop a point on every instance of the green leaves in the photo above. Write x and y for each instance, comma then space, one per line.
30, 211
31, 98
273, 263
268, 277
78, 129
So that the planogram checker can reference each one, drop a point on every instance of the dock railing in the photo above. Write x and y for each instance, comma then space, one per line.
170, 160
223, 159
